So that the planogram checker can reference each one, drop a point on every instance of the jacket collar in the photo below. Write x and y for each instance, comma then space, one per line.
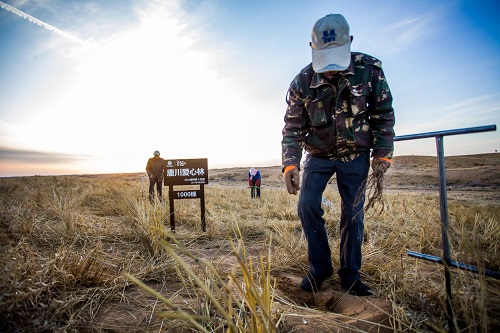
319, 79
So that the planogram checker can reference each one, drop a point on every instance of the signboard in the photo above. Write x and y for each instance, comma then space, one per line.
186, 172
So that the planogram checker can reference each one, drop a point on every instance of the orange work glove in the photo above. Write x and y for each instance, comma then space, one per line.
381, 162
292, 179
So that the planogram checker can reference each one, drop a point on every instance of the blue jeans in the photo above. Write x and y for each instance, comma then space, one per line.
253, 190
351, 183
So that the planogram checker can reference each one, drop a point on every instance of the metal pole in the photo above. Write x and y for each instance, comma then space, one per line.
171, 203
202, 207
443, 199
142, 187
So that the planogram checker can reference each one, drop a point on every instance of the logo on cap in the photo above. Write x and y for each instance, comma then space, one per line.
329, 36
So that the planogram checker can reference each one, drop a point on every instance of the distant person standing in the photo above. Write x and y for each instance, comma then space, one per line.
155, 168
254, 183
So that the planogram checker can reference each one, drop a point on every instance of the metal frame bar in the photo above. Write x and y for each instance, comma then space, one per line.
443, 201
467, 130
455, 264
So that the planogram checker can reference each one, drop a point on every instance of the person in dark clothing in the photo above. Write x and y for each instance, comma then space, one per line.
155, 168
339, 110
254, 183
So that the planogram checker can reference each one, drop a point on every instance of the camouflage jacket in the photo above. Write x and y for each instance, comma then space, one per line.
340, 121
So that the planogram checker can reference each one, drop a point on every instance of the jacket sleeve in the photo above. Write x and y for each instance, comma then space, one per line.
148, 167
381, 115
294, 130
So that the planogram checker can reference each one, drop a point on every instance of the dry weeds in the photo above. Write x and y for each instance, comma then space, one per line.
74, 249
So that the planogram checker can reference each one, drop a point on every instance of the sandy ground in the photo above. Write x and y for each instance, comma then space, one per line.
471, 177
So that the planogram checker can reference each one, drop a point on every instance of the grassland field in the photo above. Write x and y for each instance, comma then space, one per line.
89, 253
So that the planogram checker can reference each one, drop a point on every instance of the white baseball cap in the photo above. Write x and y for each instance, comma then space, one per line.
331, 44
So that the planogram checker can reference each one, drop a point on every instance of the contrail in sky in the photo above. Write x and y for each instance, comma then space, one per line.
41, 23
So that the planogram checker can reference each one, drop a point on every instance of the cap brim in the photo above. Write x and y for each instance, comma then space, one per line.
331, 59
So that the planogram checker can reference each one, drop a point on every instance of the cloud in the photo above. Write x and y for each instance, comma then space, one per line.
485, 109
405, 31
10, 155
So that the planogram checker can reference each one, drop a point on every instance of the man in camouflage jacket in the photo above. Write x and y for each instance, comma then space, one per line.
339, 108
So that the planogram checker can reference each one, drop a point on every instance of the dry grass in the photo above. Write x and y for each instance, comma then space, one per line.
75, 249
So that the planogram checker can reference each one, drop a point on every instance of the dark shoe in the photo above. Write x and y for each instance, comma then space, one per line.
312, 283
357, 288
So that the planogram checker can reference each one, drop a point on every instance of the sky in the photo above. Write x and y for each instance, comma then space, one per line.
96, 86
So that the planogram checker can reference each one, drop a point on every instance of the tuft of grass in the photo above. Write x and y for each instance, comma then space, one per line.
243, 302
149, 221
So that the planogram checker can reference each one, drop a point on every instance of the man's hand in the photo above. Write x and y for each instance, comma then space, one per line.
381, 162
292, 179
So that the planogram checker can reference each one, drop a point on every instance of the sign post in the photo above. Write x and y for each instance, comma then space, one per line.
186, 172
